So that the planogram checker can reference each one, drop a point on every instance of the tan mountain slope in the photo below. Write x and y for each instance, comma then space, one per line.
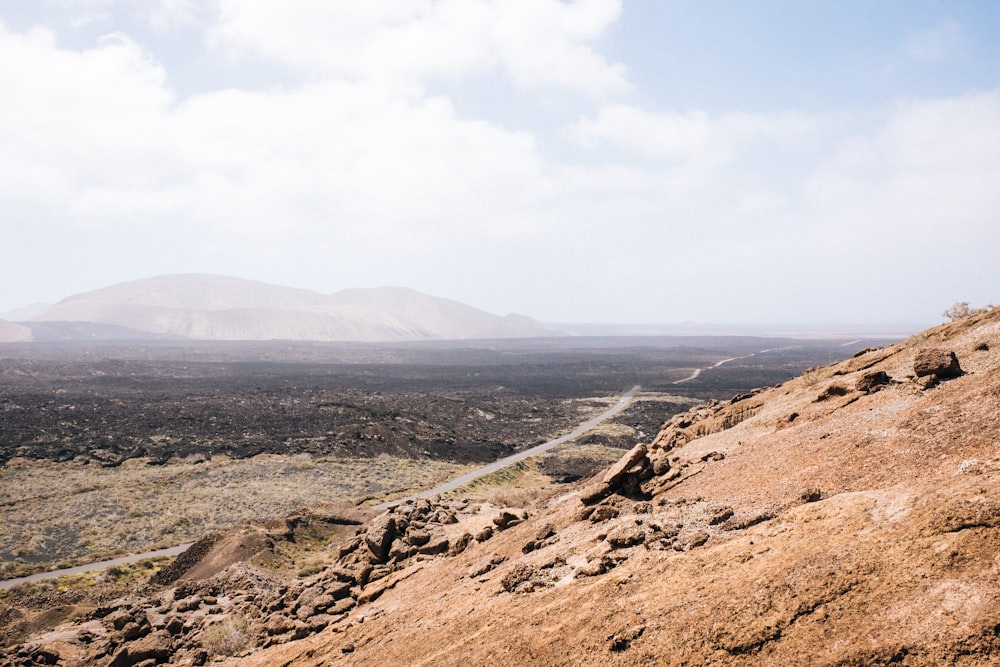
847, 517
864, 530
207, 307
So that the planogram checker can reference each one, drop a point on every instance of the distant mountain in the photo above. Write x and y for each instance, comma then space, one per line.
208, 307
13, 333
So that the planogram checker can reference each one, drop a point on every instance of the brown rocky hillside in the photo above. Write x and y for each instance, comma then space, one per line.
850, 516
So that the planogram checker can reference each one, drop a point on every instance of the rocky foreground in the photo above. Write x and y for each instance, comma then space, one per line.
850, 516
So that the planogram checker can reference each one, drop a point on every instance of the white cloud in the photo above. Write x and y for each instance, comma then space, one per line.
933, 159
902, 196
694, 145
361, 174
533, 42
98, 135
76, 118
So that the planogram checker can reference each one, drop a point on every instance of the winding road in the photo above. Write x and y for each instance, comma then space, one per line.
698, 371
500, 464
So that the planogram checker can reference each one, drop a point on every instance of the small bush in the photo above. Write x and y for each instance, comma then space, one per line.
227, 637
309, 570
961, 310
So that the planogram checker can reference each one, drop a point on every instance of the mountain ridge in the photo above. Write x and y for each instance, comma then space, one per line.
211, 307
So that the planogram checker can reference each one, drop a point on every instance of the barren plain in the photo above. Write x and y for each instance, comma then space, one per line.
152, 445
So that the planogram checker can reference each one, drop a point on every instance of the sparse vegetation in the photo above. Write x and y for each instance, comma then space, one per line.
230, 636
135, 507
961, 310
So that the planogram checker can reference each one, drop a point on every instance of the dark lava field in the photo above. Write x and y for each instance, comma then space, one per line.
463, 402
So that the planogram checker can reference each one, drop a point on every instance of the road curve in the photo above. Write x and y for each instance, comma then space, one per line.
622, 403
698, 371
499, 464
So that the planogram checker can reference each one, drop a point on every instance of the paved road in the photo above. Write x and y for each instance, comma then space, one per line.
449, 486
80, 569
622, 403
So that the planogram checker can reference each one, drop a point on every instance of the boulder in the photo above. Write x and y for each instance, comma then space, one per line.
439, 546
595, 493
660, 460
517, 575
615, 473
338, 590
936, 361
278, 624
717, 515
380, 534
344, 605
873, 381
603, 513
400, 550
418, 538
157, 646
460, 544
627, 534
506, 519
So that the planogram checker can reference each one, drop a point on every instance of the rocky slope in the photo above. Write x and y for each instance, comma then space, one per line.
206, 307
850, 516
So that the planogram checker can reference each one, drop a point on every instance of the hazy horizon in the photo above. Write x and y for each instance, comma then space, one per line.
597, 328
596, 161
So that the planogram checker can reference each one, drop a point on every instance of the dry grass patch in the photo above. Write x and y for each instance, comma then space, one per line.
137, 507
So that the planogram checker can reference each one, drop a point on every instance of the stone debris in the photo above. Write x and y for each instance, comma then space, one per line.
242, 608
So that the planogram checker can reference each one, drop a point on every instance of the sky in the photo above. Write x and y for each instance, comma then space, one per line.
774, 161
